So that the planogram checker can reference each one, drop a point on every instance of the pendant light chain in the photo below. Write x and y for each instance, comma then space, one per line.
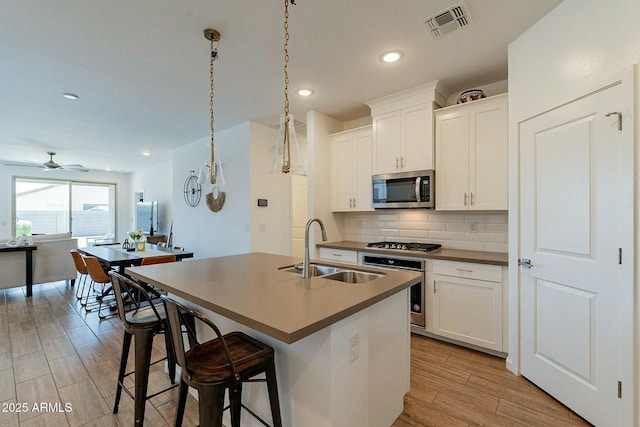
286, 59
214, 37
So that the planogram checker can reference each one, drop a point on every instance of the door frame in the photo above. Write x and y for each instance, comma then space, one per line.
628, 77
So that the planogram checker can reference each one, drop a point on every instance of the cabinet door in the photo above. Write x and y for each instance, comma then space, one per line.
386, 143
342, 153
362, 171
452, 156
417, 138
468, 310
488, 155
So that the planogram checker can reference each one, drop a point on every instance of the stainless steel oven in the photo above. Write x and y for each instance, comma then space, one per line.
417, 291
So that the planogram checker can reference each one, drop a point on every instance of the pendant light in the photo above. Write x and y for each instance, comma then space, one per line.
214, 167
286, 155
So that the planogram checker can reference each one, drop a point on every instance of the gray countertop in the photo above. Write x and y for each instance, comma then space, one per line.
252, 290
493, 258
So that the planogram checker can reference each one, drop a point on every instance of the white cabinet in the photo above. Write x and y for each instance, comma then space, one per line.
467, 303
403, 129
351, 170
471, 155
339, 255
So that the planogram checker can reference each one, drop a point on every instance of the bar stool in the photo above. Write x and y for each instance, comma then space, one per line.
97, 275
212, 367
81, 268
143, 322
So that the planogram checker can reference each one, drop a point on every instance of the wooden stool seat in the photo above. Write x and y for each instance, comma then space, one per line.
208, 362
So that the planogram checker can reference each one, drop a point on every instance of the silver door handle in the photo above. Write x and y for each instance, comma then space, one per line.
619, 114
524, 262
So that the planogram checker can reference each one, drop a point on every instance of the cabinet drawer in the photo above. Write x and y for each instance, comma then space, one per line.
491, 273
339, 255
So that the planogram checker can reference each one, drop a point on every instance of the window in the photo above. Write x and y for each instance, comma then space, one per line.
85, 209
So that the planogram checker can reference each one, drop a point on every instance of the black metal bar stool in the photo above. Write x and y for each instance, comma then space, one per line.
144, 321
214, 366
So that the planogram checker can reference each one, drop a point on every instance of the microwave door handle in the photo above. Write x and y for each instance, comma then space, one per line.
417, 188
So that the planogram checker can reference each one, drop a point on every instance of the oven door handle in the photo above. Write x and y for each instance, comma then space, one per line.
417, 188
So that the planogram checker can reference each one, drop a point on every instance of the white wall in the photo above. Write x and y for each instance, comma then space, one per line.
319, 127
270, 225
124, 196
246, 152
199, 229
156, 182
568, 53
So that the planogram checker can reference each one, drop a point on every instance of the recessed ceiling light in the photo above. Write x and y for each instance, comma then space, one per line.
392, 56
305, 92
146, 153
70, 95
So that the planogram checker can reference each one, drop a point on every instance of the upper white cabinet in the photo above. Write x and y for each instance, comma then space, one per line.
351, 170
403, 129
471, 155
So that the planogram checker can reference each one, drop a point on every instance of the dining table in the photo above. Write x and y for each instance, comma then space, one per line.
115, 256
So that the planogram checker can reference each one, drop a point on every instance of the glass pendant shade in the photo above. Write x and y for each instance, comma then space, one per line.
286, 155
217, 170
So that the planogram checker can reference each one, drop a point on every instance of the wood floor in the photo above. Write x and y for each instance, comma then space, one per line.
53, 353
453, 386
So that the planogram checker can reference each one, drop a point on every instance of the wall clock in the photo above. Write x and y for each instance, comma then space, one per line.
192, 190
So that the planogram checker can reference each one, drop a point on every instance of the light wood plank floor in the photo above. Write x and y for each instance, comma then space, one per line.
52, 352
455, 386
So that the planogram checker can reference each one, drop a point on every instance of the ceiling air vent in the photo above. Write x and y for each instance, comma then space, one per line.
447, 20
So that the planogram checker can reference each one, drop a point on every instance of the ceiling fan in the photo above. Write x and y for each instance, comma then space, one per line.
49, 165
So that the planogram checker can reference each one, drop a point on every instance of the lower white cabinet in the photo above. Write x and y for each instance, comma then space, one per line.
467, 303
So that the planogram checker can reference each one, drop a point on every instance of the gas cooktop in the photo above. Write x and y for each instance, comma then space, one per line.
411, 246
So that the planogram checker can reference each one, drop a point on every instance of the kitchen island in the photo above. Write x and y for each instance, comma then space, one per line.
342, 349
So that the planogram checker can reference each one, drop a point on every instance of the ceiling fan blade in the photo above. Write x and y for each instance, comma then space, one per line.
28, 164
76, 167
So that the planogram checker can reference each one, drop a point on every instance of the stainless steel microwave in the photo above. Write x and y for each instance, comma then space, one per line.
404, 190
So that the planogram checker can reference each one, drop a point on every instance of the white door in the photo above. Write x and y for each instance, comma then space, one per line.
576, 199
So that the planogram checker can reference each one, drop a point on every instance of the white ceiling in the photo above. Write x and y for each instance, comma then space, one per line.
141, 68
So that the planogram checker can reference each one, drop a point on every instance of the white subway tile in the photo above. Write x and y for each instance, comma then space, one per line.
497, 247
447, 235
487, 237
464, 245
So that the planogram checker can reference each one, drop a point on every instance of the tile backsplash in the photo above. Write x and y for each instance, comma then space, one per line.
476, 231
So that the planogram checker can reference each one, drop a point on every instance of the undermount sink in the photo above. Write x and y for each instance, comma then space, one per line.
336, 273
316, 270
352, 276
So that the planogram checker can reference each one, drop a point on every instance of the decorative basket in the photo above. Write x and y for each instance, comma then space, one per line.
471, 95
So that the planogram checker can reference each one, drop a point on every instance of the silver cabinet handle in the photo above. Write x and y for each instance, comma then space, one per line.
401, 162
397, 160
336, 254
619, 114
465, 199
354, 202
462, 270
471, 199
350, 202
524, 262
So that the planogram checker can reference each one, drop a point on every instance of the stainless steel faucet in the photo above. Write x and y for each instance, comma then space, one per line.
306, 271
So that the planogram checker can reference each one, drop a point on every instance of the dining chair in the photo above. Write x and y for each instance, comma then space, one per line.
158, 259
144, 321
99, 276
83, 273
212, 367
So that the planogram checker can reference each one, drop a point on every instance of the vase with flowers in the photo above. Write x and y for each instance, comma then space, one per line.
138, 239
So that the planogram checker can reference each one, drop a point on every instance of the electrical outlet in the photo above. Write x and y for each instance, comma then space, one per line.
473, 227
354, 347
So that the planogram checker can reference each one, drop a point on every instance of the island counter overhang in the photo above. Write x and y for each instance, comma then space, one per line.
253, 290
342, 350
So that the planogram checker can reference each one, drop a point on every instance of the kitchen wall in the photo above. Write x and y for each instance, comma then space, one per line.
480, 231
246, 151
